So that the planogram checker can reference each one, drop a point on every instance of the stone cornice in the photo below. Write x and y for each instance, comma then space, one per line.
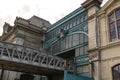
109, 45
26, 24
90, 3
5, 36
106, 6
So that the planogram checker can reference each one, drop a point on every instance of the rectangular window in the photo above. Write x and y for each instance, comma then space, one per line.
114, 25
116, 72
118, 24
112, 32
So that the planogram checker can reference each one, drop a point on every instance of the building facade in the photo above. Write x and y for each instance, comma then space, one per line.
87, 38
68, 38
103, 30
29, 32
26, 32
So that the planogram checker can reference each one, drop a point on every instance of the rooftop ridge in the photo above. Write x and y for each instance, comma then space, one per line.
59, 22
39, 18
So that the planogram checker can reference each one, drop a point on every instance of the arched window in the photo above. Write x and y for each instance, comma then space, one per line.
116, 72
114, 25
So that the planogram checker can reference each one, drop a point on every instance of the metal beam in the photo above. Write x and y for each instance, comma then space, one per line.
25, 55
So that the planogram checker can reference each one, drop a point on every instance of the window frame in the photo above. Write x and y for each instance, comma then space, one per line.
116, 26
117, 65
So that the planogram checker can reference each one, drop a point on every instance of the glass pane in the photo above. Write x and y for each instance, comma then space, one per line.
82, 18
81, 50
111, 18
74, 23
85, 38
118, 24
67, 26
77, 52
75, 39
119, 69
64, 44
61, 45
86, 49
67, 42
118, 14
70, 41
112, 32
81, 38
116, 73
78, 21
70, 25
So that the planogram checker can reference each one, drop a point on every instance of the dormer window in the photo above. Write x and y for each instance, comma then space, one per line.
114, 25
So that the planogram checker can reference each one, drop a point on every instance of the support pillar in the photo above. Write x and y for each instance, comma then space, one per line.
49, 77
1, 76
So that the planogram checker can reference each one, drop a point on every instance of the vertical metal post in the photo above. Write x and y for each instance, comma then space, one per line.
1, 76
65, 74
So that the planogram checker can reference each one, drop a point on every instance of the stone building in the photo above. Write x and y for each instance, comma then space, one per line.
30, 33
87, 38
103, 30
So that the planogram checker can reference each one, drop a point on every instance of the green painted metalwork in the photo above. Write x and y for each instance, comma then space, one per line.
53, 40
77, 21
68, 76
69, 33
84, 44
67, 18
67, 43
82, 60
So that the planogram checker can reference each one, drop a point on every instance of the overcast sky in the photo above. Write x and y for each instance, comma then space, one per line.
51, 10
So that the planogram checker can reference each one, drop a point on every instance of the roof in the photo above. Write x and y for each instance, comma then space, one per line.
39, 21
66, 18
